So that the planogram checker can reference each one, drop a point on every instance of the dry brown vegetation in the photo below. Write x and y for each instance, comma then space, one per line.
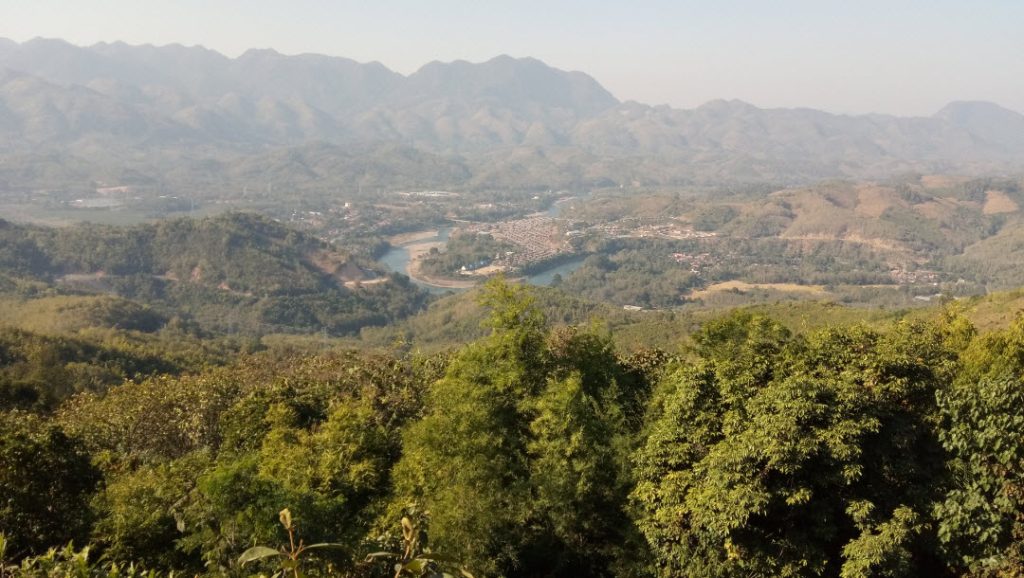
997, 202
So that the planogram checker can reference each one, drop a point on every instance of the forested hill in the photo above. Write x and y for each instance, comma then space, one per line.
237, 271
246, 252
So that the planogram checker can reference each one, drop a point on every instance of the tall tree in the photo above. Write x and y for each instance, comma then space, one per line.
46, 480
981, 519
775, 457
466, 461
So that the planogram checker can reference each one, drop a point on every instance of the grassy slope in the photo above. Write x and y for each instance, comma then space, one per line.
458, 319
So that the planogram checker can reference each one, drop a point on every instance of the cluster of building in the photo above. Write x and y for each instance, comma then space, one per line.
624, 229
536, 238
307, 218
668, 231
694, 262
919, 276
430, 194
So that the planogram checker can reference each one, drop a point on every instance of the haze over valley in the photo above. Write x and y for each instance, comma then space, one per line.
72, 114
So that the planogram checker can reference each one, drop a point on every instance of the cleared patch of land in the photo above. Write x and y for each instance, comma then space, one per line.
883, 244
941, 181
937, 208
484, 271
338, 266
744, 286
873, 201
999, 202
994, 311
362, 283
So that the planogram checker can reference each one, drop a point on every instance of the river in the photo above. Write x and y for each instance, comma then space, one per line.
544, 278
397, 260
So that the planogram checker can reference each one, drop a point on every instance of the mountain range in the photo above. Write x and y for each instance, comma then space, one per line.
504, 122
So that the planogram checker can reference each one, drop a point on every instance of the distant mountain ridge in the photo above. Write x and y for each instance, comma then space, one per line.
55, 96
263, 96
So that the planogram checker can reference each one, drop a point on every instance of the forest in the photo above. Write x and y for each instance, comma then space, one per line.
236, 273
747, 448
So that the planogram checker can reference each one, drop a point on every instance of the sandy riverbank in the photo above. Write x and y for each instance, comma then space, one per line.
365, 282
416, 253
418, 245
402, 239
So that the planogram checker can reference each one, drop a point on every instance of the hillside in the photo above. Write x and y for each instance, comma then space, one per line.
234, 272
70, 115
895, 243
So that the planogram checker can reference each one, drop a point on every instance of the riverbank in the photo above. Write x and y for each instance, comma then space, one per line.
408, 250
403, 239
416, 253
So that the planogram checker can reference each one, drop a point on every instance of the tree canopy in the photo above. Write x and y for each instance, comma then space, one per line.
539, 450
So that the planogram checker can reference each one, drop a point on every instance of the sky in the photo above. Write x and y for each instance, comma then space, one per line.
905, 57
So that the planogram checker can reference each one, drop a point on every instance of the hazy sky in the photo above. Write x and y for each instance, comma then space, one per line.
848, 56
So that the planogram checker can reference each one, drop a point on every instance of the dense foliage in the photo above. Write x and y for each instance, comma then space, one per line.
847, 451
237, 272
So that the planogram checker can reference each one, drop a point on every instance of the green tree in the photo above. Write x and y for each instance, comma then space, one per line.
466, 461
521, 459
46, 480
140, 513
798, 458
981, 519
578, 453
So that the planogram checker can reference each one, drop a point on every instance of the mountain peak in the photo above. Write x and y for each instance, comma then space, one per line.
962, 109
508, 60
41, 41
504, 58
516, 82
724, 106
988, 121
254, 53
